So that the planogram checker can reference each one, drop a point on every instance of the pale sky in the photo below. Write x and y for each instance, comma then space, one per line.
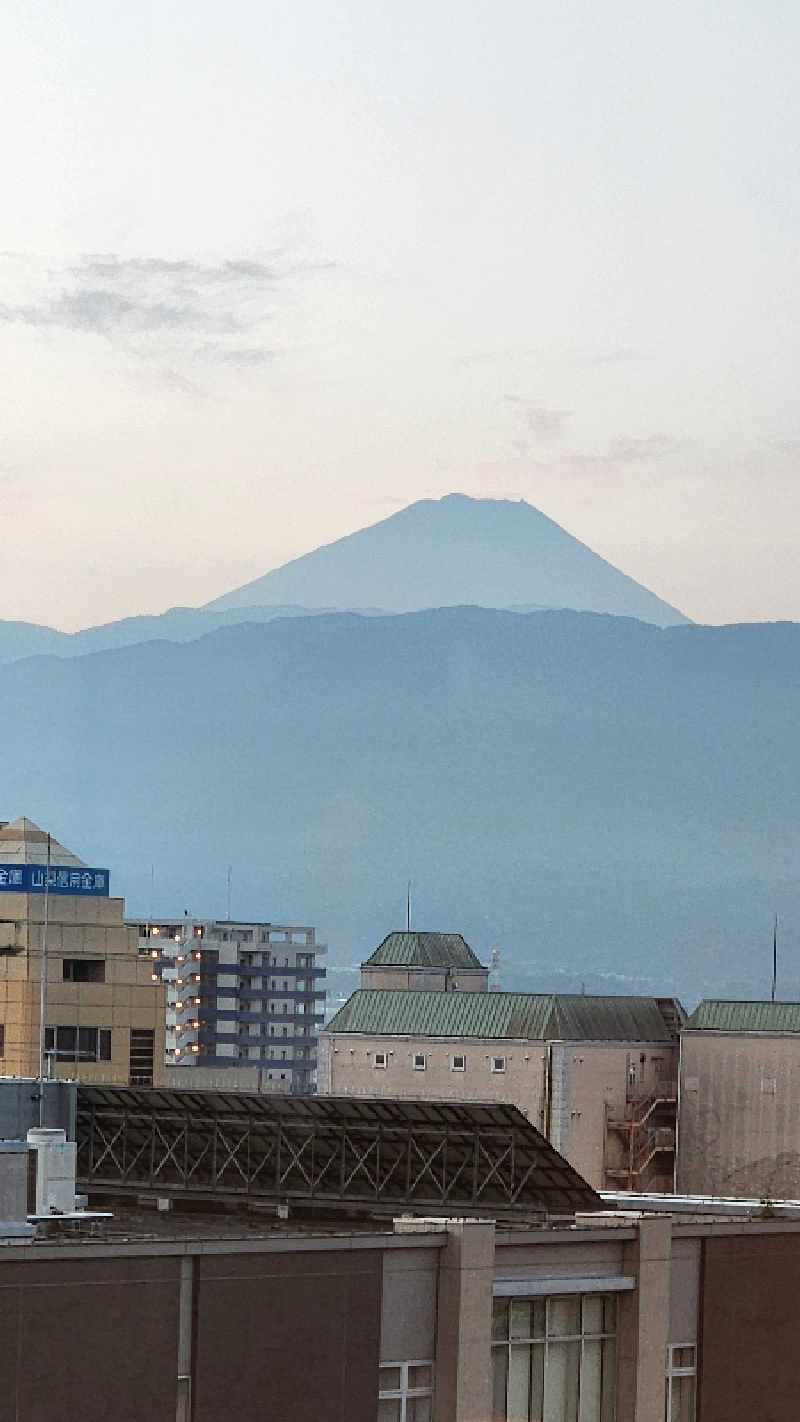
272, 270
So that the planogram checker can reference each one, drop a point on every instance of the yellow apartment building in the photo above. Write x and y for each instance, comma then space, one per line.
104, 1016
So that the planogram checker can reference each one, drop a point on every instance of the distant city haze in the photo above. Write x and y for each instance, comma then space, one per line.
272, 272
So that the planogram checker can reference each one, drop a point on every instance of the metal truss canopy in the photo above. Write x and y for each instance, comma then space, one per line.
333, 1151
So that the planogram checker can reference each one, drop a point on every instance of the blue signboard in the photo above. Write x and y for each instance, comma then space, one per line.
30, 879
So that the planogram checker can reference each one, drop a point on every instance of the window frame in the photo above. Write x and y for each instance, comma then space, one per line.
380, 1061
551, 1338
76, 1054
405, 1394
675, 1374
458, 1057
493, 1063
419, 1061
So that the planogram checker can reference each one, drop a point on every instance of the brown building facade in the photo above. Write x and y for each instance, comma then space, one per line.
607, 1319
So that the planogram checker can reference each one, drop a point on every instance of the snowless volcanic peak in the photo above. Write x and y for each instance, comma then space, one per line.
454, 551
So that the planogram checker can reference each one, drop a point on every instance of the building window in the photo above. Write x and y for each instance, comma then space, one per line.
142, 1056
458, 1063
83, 970
551, 1356
498, 1063
379, 1059
420, 1061
78, 1044
2, 1039
681, 1382
405, 1392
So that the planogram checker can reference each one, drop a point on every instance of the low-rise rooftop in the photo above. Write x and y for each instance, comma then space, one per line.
537, 1016
423, 950
732, 1015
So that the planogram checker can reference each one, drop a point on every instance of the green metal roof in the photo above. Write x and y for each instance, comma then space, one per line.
613, 1019
423, 950
540, 1016
721, 1015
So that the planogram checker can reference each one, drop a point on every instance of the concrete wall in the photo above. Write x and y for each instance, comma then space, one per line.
351, 1072
739, 1127
425, 979
584, 1079
598, 1075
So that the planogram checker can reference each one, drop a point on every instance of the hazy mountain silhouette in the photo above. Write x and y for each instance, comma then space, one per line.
603, 800
178, 624
456, 551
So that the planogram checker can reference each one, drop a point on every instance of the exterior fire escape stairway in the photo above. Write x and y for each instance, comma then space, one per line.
647, 1131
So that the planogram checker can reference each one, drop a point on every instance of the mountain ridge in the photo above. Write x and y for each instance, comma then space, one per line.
603, 800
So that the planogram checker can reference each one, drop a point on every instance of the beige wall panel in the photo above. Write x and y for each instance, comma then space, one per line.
739, 1131
576, 1258
352, 1071
684, 1294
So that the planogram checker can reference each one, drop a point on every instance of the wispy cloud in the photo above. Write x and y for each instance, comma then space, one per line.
537, 418
175, 312
628, 449
787, 446
613, 355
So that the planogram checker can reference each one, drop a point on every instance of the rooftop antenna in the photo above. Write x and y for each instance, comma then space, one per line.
228, 896
774, 958
43, 987
408, 907
152, 896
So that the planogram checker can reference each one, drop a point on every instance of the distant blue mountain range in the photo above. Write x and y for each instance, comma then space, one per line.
605, 801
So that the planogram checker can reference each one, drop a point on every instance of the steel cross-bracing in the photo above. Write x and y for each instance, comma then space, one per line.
432, 1156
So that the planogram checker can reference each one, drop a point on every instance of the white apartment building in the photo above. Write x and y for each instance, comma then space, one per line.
240, 995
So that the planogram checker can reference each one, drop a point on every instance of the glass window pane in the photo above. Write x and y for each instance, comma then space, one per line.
682, 1400
521, 1318
591, 1380
561, 1374
609, 1314
519, 1384
87, 1043
683, 1357
537, 1380
564, 1317
389, 1409
500, 1318
593, 1313
419, 1409
420, 1375
389, 1380
66, 1039
608, 1408
499, 1380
